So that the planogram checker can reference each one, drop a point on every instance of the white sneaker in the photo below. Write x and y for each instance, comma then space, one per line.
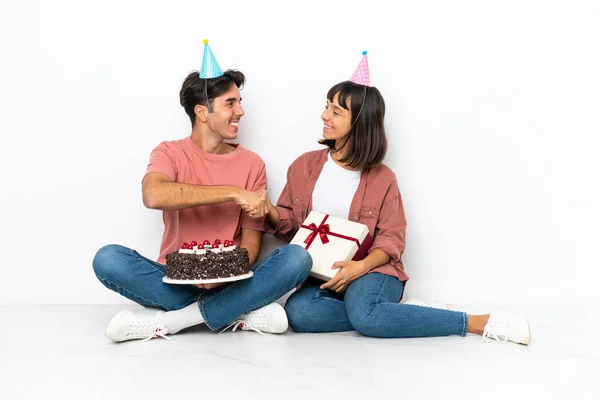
436, 304
507, 327
143, 324
439, 304
268, 319
415, 302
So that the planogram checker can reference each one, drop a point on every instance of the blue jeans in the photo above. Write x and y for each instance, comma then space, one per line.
139, 279
370, 305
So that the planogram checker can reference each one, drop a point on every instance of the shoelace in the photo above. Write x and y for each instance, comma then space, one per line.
488, 336
158, 332
238, 323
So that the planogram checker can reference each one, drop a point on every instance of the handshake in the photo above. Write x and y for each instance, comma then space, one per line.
254, 204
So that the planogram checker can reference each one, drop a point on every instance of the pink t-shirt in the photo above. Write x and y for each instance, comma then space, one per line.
184, 162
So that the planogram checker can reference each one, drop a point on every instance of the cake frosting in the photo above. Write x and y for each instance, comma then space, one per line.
207, 261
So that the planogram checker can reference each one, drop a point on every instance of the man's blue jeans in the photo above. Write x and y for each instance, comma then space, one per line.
370, 306
139, 279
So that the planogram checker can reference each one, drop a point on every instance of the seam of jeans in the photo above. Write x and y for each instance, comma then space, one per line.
201, 308
154, 263
383, 285
120, 289
465, 327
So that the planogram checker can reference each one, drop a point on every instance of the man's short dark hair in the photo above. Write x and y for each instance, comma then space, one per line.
196, 90
366, 143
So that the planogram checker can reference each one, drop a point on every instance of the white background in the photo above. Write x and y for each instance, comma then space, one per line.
492, 120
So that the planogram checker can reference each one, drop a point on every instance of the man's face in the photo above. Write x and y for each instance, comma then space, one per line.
226, 113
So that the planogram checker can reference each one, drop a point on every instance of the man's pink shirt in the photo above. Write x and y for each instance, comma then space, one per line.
184, 162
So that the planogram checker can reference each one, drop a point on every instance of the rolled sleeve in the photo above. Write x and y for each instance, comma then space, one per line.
390, 232
287, 225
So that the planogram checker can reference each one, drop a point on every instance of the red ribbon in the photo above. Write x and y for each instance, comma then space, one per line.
323, 230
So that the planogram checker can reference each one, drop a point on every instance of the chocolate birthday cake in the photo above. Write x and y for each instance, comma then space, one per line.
207, 261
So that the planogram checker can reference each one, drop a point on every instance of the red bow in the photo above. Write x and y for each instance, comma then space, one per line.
322, 230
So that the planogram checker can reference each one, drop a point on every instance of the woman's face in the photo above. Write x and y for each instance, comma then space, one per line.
337, 119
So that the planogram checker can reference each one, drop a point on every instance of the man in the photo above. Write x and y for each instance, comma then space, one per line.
199, 183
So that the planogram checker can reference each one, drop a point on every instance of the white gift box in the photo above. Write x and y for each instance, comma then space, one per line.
330, 239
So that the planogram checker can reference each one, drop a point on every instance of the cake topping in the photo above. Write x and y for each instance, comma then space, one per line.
186, 248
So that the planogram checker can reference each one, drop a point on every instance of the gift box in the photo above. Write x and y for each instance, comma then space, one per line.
330, 239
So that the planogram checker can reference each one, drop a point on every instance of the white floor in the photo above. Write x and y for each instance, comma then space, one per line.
60, 352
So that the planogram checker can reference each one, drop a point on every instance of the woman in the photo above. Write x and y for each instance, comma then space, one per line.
347, 179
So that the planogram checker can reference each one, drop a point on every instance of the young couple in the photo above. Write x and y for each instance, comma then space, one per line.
208, 188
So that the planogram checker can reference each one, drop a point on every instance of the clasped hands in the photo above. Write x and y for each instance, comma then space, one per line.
254, 204
257, 205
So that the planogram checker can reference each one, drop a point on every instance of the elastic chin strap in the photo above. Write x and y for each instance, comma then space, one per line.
208, 108
361, 106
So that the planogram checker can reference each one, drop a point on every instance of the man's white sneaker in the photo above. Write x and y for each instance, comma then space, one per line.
144, 324
268, 319
436, 304
507, 327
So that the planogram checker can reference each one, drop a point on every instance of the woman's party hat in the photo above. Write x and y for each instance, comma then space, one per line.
361, 74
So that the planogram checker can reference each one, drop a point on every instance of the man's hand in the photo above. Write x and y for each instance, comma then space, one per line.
210, 285
253, 203
261, 210
349, 271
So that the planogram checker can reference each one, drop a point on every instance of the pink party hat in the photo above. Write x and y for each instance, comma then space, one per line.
361, 74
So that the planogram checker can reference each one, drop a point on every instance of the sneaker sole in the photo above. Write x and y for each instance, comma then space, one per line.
528, 337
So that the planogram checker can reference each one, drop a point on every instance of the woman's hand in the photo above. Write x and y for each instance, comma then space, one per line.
349, 271
260, 210
253, 203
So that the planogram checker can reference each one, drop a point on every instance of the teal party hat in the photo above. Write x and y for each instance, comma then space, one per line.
210, 66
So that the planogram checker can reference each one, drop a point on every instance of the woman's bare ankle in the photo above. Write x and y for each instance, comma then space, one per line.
476, 323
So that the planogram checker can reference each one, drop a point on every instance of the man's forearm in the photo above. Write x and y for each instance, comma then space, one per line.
252, 241
253, 253
176, 196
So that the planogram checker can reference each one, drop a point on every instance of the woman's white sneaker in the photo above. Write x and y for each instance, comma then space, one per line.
436, 304
143, 324
504, 327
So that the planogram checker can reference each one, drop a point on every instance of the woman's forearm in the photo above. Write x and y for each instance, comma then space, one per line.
273, 216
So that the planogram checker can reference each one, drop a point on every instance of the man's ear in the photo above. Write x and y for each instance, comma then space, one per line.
201, 112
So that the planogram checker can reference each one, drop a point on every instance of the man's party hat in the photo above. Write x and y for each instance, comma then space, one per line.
210, 66
361, 74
